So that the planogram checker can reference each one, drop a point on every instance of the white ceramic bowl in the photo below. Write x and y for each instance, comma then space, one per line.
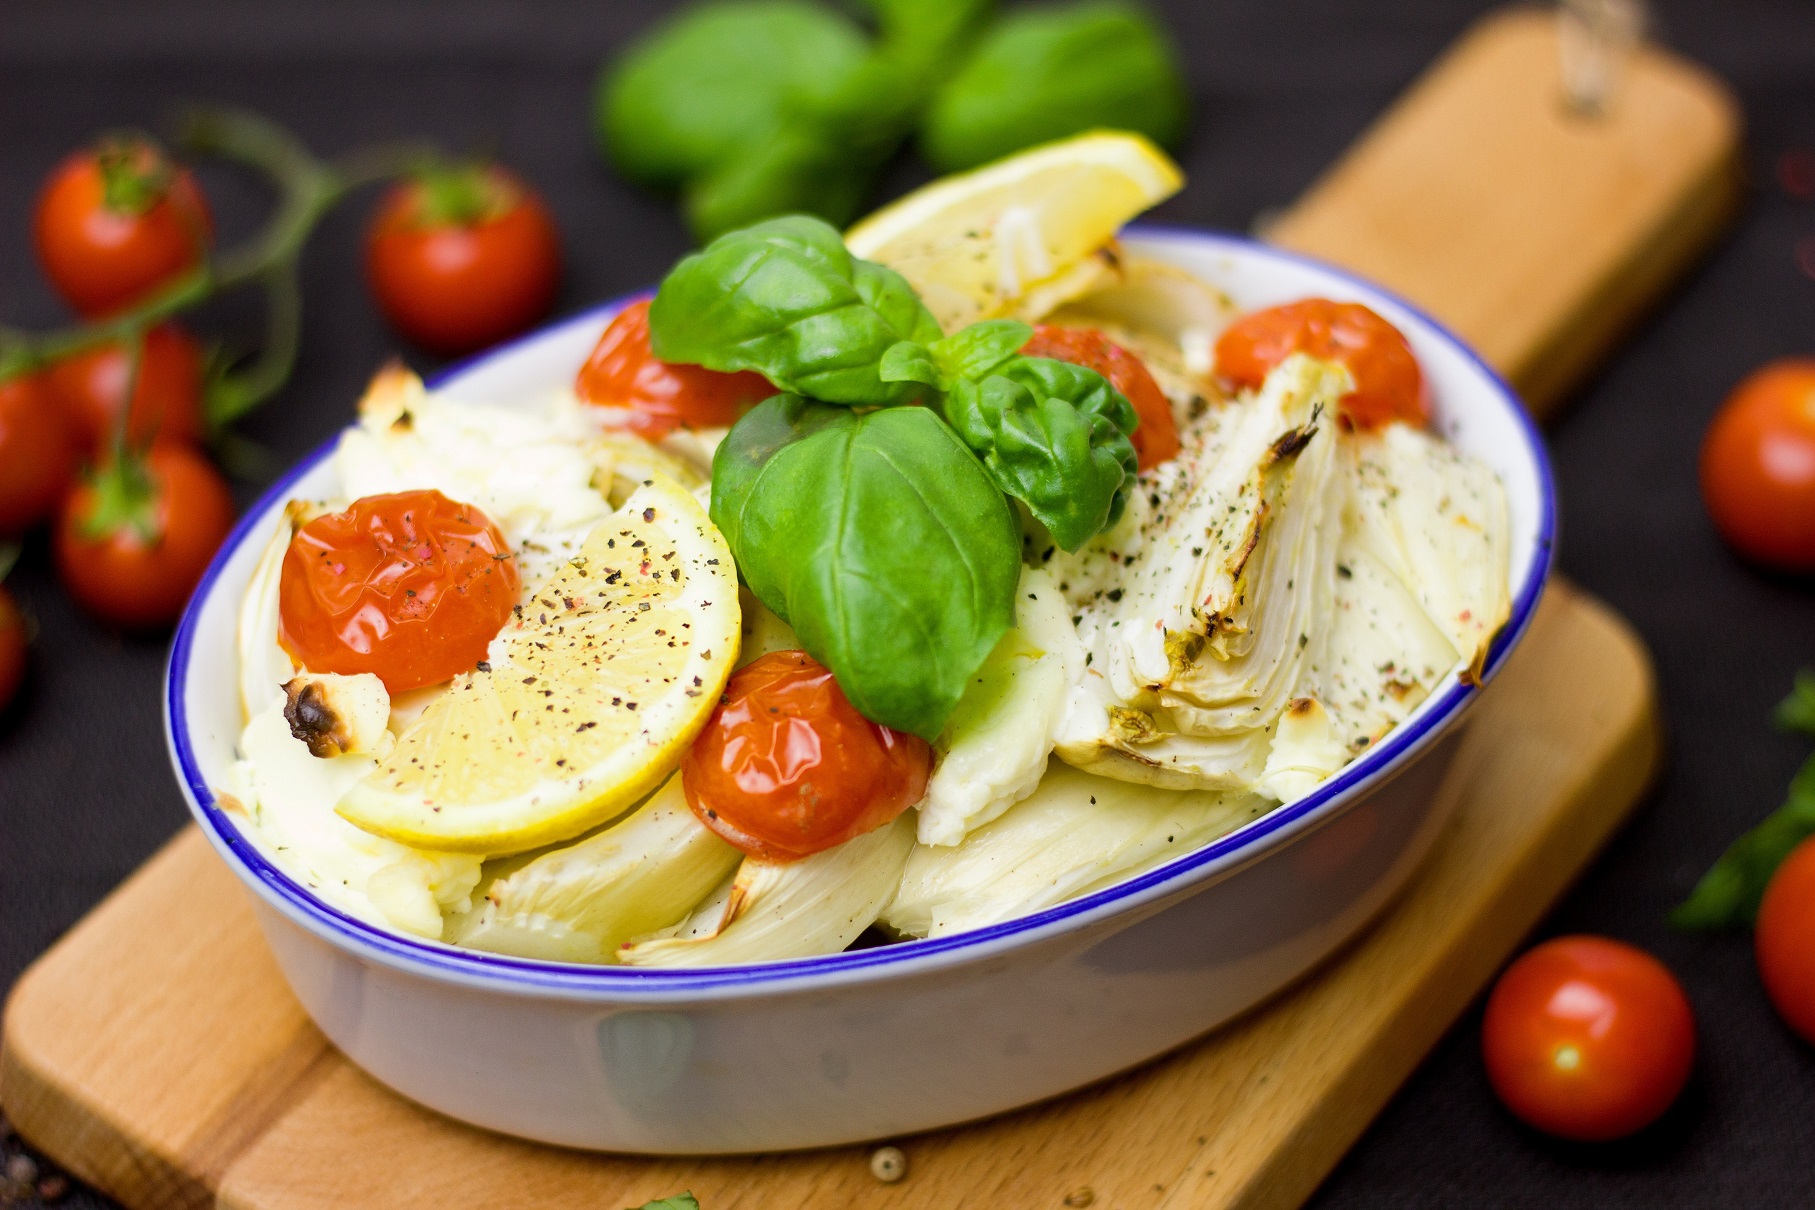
901, 1038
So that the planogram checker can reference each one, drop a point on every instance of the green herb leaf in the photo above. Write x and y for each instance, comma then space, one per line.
1054, 436
794, 169
784, 298
1047, 73
972, 352
880, 540
1797, 712
1728, 895
680, 1201
706, 87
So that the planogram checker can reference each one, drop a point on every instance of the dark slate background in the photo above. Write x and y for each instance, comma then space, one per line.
1281, 87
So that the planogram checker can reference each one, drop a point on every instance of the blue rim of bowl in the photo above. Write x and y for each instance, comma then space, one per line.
447, 962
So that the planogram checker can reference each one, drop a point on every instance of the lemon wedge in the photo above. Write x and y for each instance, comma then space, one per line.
587, 698
1020, 236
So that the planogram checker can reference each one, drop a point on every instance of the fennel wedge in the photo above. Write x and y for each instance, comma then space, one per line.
773, 911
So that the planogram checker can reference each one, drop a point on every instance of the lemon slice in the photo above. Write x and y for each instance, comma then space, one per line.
586, 701
1020, 236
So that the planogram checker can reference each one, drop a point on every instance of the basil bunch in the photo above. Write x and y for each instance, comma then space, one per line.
884, 536
750, 108
757, 107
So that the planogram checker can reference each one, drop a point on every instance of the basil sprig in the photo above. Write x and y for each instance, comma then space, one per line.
1728, 895
785, 298
884, 536
879, 538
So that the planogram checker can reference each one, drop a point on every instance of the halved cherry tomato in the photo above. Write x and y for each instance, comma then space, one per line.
1588, 1038
1784, 940
117, 221
12, 648
460, 258
411, 586
786, 767
37, 453
134, 537
1155, 436
1758, 466
1389, 385
166, 401
659, 397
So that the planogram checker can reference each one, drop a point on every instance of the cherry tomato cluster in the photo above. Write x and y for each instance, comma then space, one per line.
104, 442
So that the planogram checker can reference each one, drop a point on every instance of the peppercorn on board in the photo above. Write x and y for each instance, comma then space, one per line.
156, 1052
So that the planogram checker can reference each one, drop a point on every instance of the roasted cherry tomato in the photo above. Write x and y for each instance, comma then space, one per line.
1389, 385
786, 767
1155, 436
658, 397
411, 586
166, 400
460, 258
1758, 466
37, 452
134, 537
1784, 940
12, 648
1588, 1038
116, 222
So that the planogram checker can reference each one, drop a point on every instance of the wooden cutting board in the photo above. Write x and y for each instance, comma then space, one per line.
156, 1053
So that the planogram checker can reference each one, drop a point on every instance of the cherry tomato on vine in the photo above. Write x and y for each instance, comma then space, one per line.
462, 257
13, 648
410, 586
117, 221
1758, 466
1155, 437
1784, 940
1389, 385
1588, 1038
786, 767
166, 400
659, 397
37, 453
135, 536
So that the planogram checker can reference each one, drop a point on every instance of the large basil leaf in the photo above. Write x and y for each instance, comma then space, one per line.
715, 81
1044, 73
880, 540
785, 298
1054, 436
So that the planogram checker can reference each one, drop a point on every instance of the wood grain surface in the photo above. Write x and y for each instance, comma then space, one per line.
156, 1053
1537, 234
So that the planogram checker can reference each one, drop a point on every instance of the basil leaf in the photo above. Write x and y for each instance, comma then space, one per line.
971, 352
680, 1201
1054, 436
784, 298
1729, 894
1047, 73
794, 169
711, 83
880, 540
